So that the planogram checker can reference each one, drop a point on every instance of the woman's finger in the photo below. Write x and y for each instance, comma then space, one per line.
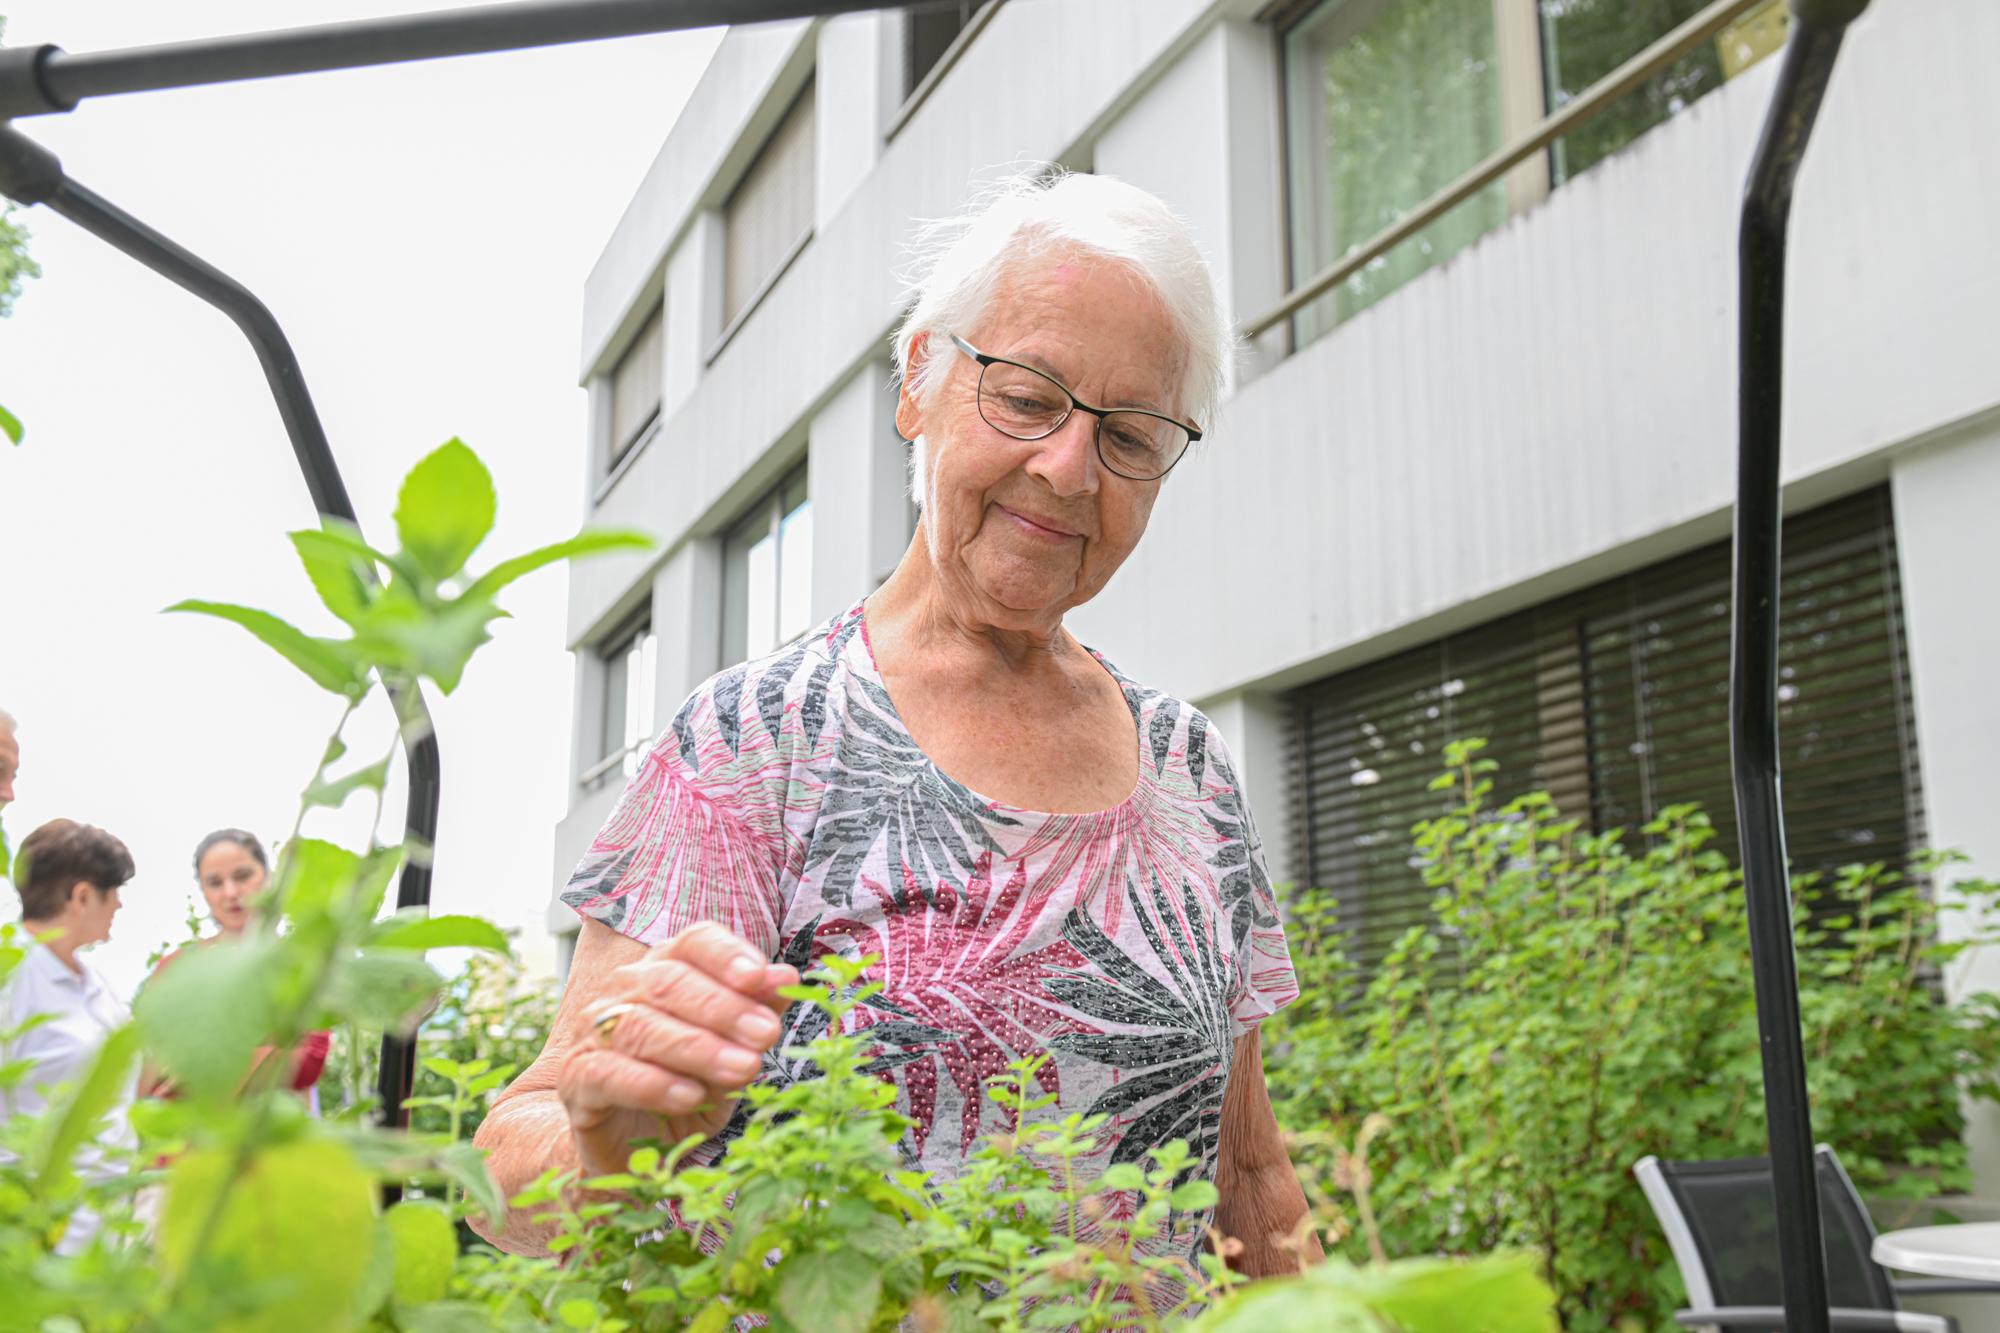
595, 1080
691, 995
677, 1046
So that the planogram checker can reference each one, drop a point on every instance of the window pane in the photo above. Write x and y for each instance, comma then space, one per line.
1388, 102
761, 605
617, 669
641, 662
928, 34
1584, 40
795, 540
771, 211
635, 387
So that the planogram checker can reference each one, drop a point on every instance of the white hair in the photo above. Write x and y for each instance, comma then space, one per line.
958, 263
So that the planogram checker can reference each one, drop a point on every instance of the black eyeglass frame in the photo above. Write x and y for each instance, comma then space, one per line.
1075, 405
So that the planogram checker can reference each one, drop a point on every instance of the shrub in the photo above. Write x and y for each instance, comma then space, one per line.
1577, 1003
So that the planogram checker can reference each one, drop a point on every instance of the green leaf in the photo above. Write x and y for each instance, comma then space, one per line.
342, 578
1124, 1176
1195, 1194
315, 877
329, 663
445, 509
78, 1118
439, 932
826, 1290
204, 1017
333, 792
300, 1217
10, 425
591, 541
383, 989
426, 1250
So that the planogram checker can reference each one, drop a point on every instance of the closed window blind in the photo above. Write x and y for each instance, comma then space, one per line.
1615, 700
635, 387
771, 213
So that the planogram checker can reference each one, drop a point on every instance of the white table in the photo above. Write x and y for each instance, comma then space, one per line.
1969, 1250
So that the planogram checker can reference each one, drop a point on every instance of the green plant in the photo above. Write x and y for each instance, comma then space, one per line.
1577, 1003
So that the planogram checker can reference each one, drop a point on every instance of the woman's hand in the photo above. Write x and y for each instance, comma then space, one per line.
674, 1036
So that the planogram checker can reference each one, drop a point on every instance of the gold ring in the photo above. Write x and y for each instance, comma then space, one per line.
607, 1022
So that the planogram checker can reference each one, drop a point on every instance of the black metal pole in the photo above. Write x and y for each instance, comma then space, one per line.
39, 80
30, 174
1753, 675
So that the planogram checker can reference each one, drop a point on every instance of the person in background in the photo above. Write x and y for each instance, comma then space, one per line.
69, 876
10, 760
10, 764
231, 869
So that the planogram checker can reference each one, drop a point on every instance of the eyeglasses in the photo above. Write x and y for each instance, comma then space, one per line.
1022, 402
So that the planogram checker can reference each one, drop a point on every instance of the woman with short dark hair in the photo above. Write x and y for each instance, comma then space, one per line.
69, 876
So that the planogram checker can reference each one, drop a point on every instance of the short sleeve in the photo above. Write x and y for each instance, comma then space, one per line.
1264, 978
699, 833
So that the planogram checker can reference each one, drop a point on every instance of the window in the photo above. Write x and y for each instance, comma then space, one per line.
1389, 101
1615, 700
770, 216
928, 34
625, 724
767, 573
635, 388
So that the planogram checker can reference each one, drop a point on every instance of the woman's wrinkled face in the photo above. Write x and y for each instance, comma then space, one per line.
230, 877
1027, 529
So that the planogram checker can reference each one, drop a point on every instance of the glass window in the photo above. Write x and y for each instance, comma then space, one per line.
1615, 700
1584, 40
771, 214
635, 387
928, 34
767, 573
625, 725
1389, 101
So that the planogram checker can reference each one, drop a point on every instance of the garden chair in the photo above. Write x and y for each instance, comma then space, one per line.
1721, 1222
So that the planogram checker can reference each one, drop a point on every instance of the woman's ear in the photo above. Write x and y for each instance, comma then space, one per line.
909, 418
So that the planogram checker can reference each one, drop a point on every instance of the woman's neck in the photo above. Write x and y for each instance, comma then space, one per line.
60, 946
918, 609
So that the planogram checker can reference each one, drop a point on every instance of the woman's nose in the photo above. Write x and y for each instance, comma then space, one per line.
1067, 460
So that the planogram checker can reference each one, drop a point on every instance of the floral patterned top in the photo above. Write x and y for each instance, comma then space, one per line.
1135, 945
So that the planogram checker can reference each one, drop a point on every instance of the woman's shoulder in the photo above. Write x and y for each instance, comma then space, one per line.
1176, 738
776, 703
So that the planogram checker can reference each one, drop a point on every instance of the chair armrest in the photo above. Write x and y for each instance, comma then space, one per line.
1945, 1286
1844, 1320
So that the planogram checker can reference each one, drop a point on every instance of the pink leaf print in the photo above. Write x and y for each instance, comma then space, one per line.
960, 966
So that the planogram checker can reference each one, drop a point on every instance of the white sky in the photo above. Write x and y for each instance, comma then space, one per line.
422, 233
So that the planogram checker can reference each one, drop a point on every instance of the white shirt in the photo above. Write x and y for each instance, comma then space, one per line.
84, 1011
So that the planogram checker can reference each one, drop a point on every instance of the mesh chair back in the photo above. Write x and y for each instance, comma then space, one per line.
1728, 1208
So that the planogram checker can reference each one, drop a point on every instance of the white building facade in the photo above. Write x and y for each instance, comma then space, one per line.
1483, 489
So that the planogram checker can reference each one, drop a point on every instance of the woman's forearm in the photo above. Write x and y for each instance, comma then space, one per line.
1265, 1208
524, 1135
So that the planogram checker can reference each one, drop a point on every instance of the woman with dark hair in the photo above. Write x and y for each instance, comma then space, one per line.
68, 875
231, 869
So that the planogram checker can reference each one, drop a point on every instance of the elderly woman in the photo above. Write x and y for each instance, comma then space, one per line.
1045, 855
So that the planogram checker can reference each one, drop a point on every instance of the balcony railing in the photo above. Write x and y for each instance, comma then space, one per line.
1586, 106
